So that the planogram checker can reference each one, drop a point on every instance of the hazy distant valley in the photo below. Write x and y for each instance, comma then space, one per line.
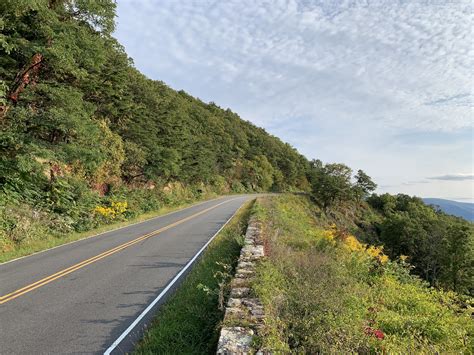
455, 208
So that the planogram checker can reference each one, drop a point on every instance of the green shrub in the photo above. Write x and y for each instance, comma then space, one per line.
21, 225
67, 206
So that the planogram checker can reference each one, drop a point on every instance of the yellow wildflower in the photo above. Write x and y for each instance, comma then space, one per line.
105, 211
119, 207
353, 244
329, 235
374, 251
116, 209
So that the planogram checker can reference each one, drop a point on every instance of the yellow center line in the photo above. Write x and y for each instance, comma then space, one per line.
28, 288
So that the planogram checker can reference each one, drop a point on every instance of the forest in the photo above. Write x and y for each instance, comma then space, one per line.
87, 140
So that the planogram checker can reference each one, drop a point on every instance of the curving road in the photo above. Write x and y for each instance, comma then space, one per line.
90, 296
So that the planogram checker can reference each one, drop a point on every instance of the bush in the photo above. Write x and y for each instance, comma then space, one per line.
67, 205
141, 201
71, 199
21, 225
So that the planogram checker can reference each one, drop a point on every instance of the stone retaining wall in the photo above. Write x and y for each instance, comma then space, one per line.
244, 313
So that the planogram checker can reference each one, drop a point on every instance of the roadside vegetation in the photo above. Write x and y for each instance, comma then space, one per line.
88, 143
189, 322
324, 291
440, 247
25, 231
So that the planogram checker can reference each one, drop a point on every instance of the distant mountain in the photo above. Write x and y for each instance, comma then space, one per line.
460, 209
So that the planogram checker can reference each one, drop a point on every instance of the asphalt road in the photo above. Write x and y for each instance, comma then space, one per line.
81, 297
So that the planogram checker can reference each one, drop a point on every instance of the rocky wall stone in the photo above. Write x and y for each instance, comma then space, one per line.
244, 313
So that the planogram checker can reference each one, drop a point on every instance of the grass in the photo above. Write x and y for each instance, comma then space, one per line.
189, 322
325, 292
48, 240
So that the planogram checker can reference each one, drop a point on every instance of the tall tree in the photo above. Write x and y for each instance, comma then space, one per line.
331, 183
363, 185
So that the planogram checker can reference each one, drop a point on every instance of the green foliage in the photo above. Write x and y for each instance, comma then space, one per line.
363, 185
332, 187
135, 161
439, 246
257, 174
331, 184
322, 293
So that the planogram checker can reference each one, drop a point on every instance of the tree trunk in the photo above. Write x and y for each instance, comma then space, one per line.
28, 75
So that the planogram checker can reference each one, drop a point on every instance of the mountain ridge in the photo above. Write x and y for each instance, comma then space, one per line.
456, 208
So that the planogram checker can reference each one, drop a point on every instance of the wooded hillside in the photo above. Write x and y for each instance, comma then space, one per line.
73, 105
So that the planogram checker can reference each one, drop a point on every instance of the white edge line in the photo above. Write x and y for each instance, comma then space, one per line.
162, 293
113, 230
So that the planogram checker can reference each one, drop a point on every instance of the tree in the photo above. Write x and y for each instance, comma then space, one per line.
331, 183
458, 257
257, 174
439, 246
264, 172
385, 203
363, 185
134, 163
56, 39
76, 116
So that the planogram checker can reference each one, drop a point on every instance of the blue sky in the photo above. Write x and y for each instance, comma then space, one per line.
385, 86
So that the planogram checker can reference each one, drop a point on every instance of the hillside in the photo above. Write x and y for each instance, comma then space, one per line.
73, 105
319, 287
455, 208
86, 140
326, 292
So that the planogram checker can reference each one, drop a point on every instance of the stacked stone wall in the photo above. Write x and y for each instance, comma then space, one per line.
244, 313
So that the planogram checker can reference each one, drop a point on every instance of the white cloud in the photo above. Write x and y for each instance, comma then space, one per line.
398, 56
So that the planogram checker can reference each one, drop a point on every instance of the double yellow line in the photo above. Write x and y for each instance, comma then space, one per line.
75, 267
